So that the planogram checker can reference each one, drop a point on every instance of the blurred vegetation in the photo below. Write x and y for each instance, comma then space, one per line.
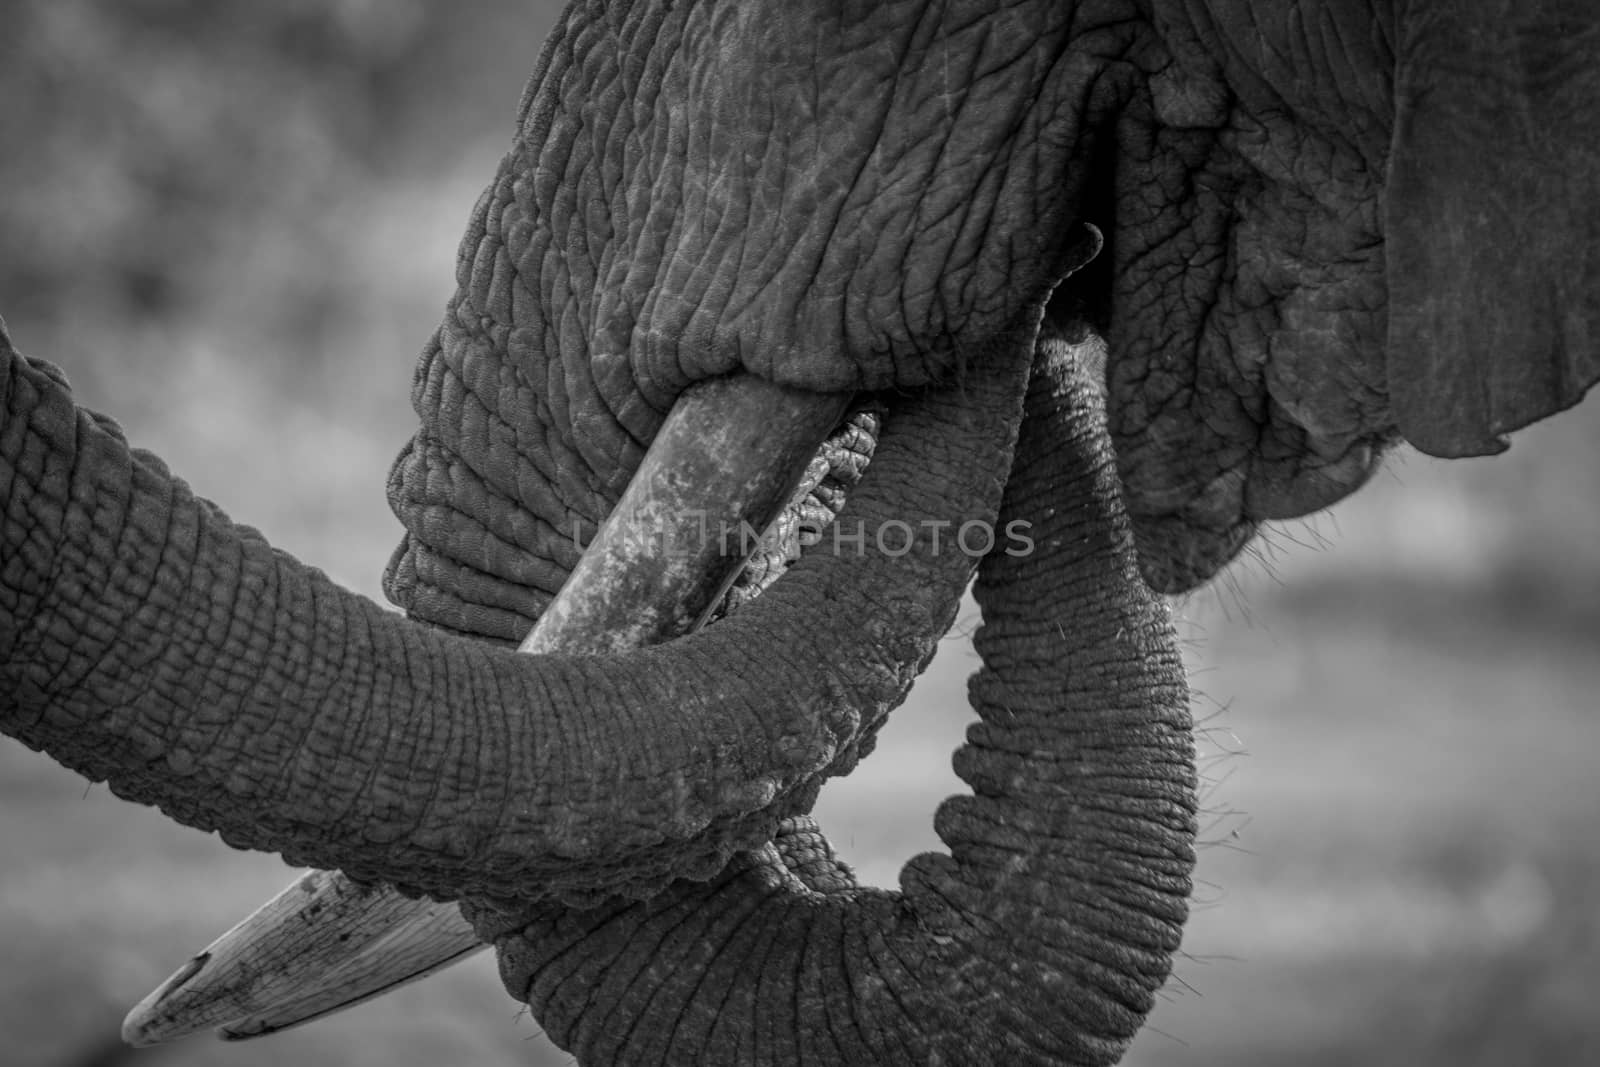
153, 129
228, 207
234, 225
165, 143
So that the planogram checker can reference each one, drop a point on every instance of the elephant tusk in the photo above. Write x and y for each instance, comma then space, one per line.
723, 465
323, 944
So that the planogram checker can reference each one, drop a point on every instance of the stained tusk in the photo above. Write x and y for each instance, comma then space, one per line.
419, 941
323, 944
723, 465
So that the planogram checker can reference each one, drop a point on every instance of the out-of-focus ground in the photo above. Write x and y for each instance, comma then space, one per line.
233, 224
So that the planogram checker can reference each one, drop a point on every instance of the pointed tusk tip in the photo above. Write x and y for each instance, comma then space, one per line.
149, 1023
143, 1028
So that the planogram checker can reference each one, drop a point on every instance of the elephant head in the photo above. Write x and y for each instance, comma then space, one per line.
1326, 228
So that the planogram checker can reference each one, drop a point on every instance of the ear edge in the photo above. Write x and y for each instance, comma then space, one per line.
1493, 223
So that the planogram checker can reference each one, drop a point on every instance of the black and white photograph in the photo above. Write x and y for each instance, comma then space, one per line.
751, 533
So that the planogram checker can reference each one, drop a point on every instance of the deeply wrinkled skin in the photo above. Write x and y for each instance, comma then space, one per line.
1305, 212
1238, 162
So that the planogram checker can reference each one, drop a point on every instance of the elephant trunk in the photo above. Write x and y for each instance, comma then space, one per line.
147, 640
1044, 933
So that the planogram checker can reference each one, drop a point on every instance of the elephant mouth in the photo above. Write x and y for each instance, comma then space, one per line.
1189, 532
1202, 470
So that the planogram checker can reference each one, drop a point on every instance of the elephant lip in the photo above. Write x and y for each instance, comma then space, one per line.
1216, 504
1187, 532
733, 449
1295, 488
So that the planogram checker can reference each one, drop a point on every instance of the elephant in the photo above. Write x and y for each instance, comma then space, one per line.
1305, 233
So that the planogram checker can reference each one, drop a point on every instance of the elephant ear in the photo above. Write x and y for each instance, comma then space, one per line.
1493, 219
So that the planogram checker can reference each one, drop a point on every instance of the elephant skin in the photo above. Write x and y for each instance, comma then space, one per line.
1326, 228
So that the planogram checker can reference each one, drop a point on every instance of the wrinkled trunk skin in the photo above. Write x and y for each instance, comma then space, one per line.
1041, 937
147, 640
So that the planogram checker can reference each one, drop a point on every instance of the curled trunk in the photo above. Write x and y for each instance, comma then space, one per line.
147, 640
1044, 933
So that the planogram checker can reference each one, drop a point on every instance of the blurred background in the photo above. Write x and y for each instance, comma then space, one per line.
233, 224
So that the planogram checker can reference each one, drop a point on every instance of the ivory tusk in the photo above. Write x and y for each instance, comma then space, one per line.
323, 944
725, 462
